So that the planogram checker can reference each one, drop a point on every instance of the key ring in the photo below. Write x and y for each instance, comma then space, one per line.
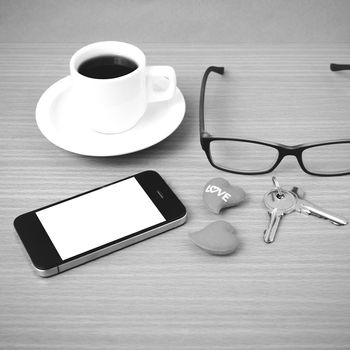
278, 187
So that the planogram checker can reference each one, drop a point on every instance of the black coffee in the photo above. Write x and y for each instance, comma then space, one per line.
107, 67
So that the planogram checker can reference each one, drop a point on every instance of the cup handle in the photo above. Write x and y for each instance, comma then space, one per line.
155, 92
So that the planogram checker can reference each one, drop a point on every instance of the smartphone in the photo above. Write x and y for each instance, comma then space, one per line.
85, 227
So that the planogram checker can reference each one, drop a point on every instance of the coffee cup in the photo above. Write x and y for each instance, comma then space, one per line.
112, 86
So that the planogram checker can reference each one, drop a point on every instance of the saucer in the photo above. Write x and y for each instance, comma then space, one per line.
61, 123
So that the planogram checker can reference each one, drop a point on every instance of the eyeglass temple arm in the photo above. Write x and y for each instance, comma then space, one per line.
336, 67
219, 70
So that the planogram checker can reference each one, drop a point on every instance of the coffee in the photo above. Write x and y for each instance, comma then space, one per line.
107, 67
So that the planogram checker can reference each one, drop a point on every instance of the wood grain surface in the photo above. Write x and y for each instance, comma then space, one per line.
165, 293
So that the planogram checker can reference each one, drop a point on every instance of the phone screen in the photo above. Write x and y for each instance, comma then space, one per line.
99, 217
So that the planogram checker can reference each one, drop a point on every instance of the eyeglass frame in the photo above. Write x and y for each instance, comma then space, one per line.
283, 150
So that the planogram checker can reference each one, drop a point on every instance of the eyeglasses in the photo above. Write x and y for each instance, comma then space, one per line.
253, 157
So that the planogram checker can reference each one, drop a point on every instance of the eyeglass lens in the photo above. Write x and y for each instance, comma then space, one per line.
242, 156
327, 159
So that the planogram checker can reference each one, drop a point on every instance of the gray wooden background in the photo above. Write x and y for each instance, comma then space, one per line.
165, 293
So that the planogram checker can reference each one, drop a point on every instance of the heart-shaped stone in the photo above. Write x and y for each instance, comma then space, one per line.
217, 238
218, 193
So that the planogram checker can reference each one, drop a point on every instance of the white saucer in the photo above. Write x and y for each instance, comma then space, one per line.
59, 122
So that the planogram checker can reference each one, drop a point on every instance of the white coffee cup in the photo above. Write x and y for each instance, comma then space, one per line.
115, 105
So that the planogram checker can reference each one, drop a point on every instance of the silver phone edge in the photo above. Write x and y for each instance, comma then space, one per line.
110, 249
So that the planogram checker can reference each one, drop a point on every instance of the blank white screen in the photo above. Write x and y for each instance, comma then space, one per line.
99, 217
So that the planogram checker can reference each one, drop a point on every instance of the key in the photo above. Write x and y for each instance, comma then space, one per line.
296, 190
303, 206
278, 202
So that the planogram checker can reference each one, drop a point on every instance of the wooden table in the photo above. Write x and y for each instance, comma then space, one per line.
165, 293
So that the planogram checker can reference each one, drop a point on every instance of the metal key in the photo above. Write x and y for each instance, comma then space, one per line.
305, 207
278, 202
